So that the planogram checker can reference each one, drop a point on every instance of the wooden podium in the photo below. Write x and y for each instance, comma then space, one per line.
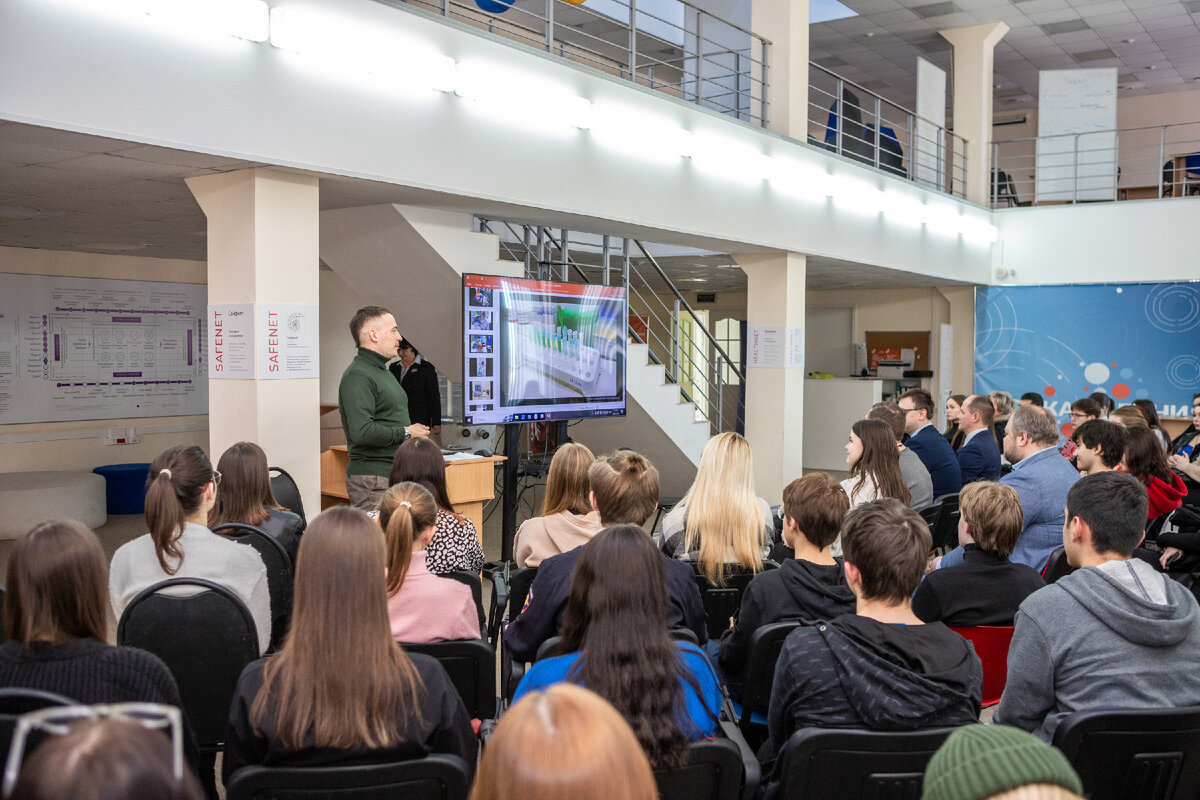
470, 483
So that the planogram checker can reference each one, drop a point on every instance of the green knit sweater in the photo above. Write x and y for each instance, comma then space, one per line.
374, 413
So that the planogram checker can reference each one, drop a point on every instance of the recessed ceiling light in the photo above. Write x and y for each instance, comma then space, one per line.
870, 34
1129, 41
1150, 67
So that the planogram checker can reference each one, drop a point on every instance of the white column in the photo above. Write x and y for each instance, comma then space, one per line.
785, 24
774, 395
974, 48
262, 248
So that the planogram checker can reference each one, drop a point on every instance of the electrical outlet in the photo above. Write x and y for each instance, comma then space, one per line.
122, 436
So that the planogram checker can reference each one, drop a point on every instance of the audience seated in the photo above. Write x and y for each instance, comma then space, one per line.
1041, 479
1150, 414
880, 668
563, 742
1099, 446
247, 497
912, 469
953, 412
1103, 402
1082, 410
1184, 455
987, 588
616, 644
1144, 459
874, 465
567, 519
182, 490
624, 489
1112, 634
1003, 405
720, 522
422, 607
808, 586
978, 456
340, 690
103, 760
930, 446
456, 546
996, 762
1129, 417
57, 624
1032, 399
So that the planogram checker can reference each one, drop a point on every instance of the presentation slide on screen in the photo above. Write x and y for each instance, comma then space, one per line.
78, 348
542, 350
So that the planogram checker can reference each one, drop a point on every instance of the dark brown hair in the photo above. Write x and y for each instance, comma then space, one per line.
1114, 505
616, 621
56, 585
567, 483
817, 504
175, 489
1148, 411
406, 511
362, 317
1088, 406
889, 543
109, 759
922, 400
993, 512
1109, 436
1145, 458
339, 618
880, 460
890, 414
420, 460
981, 405
245, 494
957, 398
626, 487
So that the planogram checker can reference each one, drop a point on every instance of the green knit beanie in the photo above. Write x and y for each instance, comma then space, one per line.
978, 761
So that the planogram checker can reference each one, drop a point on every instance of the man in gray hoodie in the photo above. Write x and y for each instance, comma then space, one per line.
1114, 633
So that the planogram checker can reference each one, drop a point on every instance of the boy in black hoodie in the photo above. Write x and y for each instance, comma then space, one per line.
808, 587
881, 667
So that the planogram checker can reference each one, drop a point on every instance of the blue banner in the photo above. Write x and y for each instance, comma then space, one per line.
1130, 340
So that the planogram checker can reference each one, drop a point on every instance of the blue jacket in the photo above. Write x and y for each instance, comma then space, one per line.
938, 457
979, 459
1042, 481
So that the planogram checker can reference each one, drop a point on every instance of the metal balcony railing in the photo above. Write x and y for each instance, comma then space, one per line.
659, 317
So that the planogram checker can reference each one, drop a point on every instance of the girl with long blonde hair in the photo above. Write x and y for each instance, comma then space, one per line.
720, 522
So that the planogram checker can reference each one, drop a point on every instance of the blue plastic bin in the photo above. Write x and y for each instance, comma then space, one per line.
125, 487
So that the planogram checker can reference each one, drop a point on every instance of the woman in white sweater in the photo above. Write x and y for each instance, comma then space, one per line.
182, 490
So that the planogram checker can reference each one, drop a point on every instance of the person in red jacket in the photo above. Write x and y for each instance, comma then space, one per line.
1144, 459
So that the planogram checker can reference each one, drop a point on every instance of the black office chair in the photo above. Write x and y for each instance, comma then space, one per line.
280, 574
510, 588
944, 529
721, 768
434, 777
205, 638
550, 647
14, 702
286, 492
1150, 754
722, 602
475, 584
817, 764
758, 675
1057, 567
471, 665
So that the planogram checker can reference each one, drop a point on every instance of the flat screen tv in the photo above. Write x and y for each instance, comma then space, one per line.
542, 350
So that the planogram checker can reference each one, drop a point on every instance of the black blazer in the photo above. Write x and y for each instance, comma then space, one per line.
421, 385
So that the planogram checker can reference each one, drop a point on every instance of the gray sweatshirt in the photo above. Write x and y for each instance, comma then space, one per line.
1101, 638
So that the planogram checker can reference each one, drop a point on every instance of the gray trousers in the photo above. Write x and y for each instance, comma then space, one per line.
366, 490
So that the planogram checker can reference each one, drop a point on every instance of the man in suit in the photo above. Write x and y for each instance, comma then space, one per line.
419, 380
928, 443
978, 457
1042, 479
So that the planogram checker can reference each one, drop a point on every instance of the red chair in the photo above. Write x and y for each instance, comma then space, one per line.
991, 644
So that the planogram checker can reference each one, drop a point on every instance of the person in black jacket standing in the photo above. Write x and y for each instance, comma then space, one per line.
419, 379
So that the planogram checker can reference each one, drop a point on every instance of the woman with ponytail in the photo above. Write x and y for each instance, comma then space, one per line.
181, 490
340, 691
422, 607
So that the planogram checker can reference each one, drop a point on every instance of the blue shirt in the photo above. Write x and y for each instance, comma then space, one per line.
701, 709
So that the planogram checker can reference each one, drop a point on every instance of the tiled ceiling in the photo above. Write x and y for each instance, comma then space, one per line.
1153, 44
68, 191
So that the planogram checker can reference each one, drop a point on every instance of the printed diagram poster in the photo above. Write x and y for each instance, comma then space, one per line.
80, 348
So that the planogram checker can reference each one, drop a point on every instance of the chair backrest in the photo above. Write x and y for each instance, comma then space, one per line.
713, 771
991, 645
434, 777
14, 702
1150, 754
519, 581
1057, 566
472, 581
205, 638
722, 602
471, 665
280, 574
550, 647
286, 492
945, 526
758, 674
884, 765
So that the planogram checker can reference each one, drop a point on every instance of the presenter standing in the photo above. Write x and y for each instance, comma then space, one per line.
373, 407
419, 379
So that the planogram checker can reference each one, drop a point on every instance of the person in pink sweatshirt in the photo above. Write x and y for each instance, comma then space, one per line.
422, 607
567, 519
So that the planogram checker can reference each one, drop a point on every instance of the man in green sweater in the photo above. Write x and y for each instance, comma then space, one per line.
373, 406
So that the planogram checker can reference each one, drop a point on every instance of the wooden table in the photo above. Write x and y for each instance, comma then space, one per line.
469, 483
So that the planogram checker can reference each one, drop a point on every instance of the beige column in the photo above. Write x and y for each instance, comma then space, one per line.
785, 24
974, 48
262, 248
774, 395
